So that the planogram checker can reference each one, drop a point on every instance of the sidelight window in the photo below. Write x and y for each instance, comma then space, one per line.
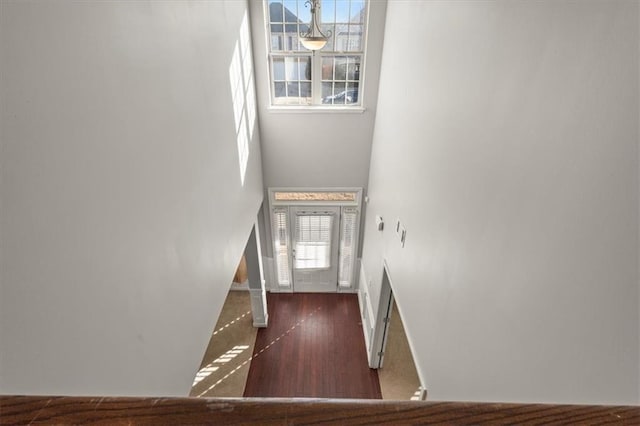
347, 246
281, 246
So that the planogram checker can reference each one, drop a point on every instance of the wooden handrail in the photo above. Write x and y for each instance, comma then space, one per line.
110, 410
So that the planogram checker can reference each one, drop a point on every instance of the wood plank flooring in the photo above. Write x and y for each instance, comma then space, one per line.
313, 347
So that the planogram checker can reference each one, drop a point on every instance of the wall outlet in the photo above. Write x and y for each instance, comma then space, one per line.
379, 223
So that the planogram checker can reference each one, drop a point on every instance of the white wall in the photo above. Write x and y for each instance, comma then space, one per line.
506, 140
123, 214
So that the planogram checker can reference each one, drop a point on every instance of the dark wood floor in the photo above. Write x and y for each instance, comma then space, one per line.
313, 347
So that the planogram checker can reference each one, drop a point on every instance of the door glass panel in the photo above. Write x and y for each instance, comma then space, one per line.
313, 241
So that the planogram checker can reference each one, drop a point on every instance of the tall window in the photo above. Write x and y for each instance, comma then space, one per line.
330, 76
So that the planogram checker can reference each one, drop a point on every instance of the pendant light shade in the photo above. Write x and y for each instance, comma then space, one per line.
314, 38
314, 43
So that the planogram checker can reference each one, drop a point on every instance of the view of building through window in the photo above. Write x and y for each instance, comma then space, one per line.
330, 76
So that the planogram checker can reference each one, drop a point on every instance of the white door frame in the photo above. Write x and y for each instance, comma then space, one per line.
381, 325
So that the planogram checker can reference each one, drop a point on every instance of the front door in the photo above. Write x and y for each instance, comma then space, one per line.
315, 248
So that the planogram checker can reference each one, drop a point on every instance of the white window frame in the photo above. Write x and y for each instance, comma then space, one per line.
316, 71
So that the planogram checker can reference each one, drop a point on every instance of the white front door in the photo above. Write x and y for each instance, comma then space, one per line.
315, 248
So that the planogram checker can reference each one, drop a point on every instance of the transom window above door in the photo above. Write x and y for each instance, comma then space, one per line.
329, 77
315, 196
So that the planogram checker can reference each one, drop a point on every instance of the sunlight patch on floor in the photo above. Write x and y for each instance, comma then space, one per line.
416, 395
209, 369
230, 323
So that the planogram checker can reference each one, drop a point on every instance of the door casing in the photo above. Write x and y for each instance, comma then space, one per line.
380, 331
281, 205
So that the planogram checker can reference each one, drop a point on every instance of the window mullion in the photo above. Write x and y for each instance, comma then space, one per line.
316, 78
272, 79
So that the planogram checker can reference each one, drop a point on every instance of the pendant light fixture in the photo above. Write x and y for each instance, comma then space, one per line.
314, 38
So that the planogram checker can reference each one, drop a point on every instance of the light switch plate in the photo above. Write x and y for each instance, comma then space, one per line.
379, 223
